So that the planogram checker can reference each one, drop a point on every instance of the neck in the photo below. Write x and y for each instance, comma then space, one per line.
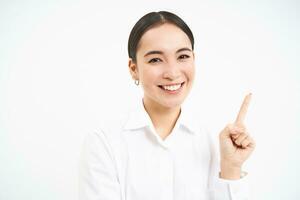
163, 118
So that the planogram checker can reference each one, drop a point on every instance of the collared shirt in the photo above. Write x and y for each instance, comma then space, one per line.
127, 160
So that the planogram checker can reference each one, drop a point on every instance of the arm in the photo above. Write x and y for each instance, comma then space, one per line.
98, 177
236, 146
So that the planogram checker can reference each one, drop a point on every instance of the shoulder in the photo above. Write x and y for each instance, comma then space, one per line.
110, 128
106, 141
195, 122
204, 130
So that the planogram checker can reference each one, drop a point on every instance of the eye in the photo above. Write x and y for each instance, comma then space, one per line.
155, 60
184, 56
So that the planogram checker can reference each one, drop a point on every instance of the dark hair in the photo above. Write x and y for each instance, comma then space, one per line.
150, 20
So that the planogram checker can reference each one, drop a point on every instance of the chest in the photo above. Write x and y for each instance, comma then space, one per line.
177, 172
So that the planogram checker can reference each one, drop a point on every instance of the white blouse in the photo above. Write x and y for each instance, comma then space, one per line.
127, 160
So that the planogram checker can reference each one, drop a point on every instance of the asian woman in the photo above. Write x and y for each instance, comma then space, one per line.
158, 152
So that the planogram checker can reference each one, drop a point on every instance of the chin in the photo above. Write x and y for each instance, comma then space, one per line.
172, 103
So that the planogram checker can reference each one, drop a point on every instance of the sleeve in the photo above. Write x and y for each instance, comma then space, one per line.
223, 189
98, 177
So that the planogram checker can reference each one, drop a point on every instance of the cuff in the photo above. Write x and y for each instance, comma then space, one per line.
232, 189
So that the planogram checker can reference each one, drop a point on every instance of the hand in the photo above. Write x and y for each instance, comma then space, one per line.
236, 145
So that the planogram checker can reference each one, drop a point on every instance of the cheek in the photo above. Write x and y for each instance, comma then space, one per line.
150, 76
192, 72
189, 70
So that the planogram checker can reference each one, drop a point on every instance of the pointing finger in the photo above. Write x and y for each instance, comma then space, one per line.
243, 110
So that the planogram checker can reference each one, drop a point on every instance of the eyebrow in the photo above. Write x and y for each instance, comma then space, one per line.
160, 52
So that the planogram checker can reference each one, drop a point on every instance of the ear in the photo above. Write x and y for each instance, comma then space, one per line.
133, 69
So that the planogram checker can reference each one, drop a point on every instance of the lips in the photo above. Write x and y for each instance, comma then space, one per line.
172, 87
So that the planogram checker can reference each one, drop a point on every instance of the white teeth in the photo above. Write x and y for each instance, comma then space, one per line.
171, 87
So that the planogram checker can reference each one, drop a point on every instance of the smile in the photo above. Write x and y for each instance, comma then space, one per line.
171, 88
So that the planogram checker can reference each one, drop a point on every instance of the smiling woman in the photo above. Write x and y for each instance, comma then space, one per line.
159, 152
164, 67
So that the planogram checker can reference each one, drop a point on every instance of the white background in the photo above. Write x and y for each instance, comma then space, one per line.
63, 66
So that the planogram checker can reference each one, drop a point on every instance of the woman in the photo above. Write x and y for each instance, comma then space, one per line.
158, 152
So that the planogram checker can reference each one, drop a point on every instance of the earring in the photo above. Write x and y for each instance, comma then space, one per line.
137, 82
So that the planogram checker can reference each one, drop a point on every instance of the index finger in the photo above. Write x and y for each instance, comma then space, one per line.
243, 110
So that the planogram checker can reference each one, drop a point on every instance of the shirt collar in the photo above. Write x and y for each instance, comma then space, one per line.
139, 118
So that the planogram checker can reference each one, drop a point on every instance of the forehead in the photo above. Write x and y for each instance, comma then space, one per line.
165, 37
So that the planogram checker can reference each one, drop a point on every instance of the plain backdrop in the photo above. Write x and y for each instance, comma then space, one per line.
63, 68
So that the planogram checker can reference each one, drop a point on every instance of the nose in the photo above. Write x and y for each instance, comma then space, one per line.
172, 71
